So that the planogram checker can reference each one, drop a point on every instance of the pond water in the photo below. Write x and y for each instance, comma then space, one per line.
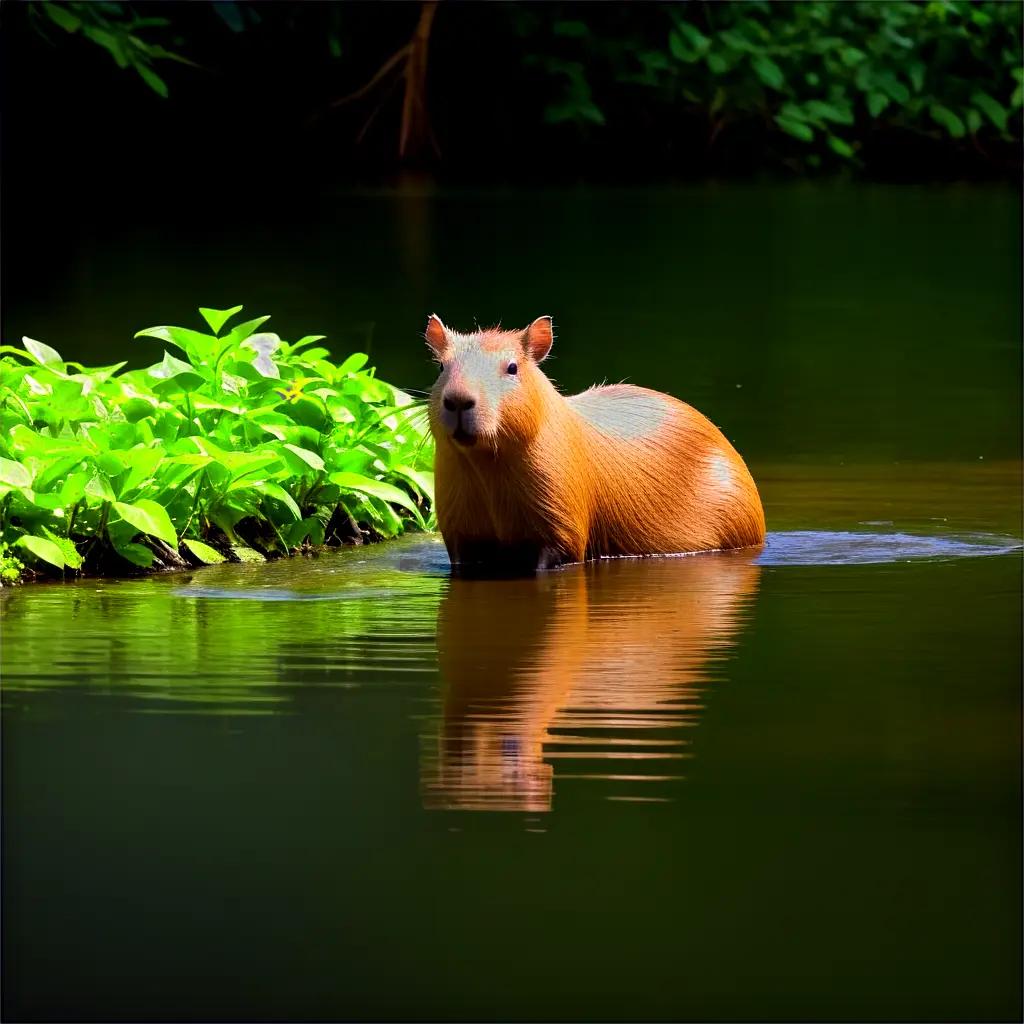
775, 784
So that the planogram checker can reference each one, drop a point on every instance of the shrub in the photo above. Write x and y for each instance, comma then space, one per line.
248, 446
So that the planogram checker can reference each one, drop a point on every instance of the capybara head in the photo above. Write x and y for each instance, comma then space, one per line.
488, 392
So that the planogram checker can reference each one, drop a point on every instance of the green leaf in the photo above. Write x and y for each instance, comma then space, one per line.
217, 318
840, 146
279, 494
200, 551
991, 108
877, 102
693, 36
687, 43
768, 71
310, 458
198, 347
375, 488
423, 481
353, 363
135, 409
43, 549
246, 554
59, 466
152, 79
309, 339
797, 129
72, 559
892, 87
820, 110
61, 16
240, 332
99, 488
945, 117
43, 354
174, 374
312, 528
717, 64
109, 42
148, 517
73, 489
137, 554
14, 474
142, 463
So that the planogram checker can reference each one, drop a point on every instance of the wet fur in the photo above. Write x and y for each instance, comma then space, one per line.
616, 470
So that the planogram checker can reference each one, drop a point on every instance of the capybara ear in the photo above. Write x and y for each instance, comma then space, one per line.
436, 335
539, 338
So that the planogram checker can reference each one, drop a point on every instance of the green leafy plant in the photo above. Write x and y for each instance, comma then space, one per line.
247, 447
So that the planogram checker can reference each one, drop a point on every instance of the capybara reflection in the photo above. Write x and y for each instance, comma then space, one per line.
596, 668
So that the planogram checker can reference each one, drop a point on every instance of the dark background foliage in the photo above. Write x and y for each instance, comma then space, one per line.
230, 113
226, 95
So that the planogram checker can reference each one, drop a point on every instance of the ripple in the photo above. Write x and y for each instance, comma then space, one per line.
797, 547
278, 594
826, 547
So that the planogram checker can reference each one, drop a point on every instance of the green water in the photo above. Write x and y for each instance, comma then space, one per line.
755, 786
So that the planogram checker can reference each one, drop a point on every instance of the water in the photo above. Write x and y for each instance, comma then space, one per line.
782, 784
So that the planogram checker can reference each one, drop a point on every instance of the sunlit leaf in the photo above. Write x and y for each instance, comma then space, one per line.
43, 549
217, 318
354, 362
203, 552
70, 553
148, 517
310, 458
376, 488
14, 474
43, 354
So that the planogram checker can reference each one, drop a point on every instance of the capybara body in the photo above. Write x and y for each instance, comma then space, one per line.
528, 478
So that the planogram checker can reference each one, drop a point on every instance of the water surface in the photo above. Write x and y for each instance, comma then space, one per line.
755, 785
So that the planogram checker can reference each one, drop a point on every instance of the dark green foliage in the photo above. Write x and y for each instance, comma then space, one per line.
115, 27
246, 442
806, 83
825, 74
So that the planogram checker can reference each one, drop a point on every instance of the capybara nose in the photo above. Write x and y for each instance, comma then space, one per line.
458, 403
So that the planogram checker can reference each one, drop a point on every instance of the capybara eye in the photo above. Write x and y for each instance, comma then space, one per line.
512, 369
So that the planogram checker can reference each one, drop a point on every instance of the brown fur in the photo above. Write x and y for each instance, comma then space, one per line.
549, 482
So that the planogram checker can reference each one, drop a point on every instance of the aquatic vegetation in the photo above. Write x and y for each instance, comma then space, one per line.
248, 447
